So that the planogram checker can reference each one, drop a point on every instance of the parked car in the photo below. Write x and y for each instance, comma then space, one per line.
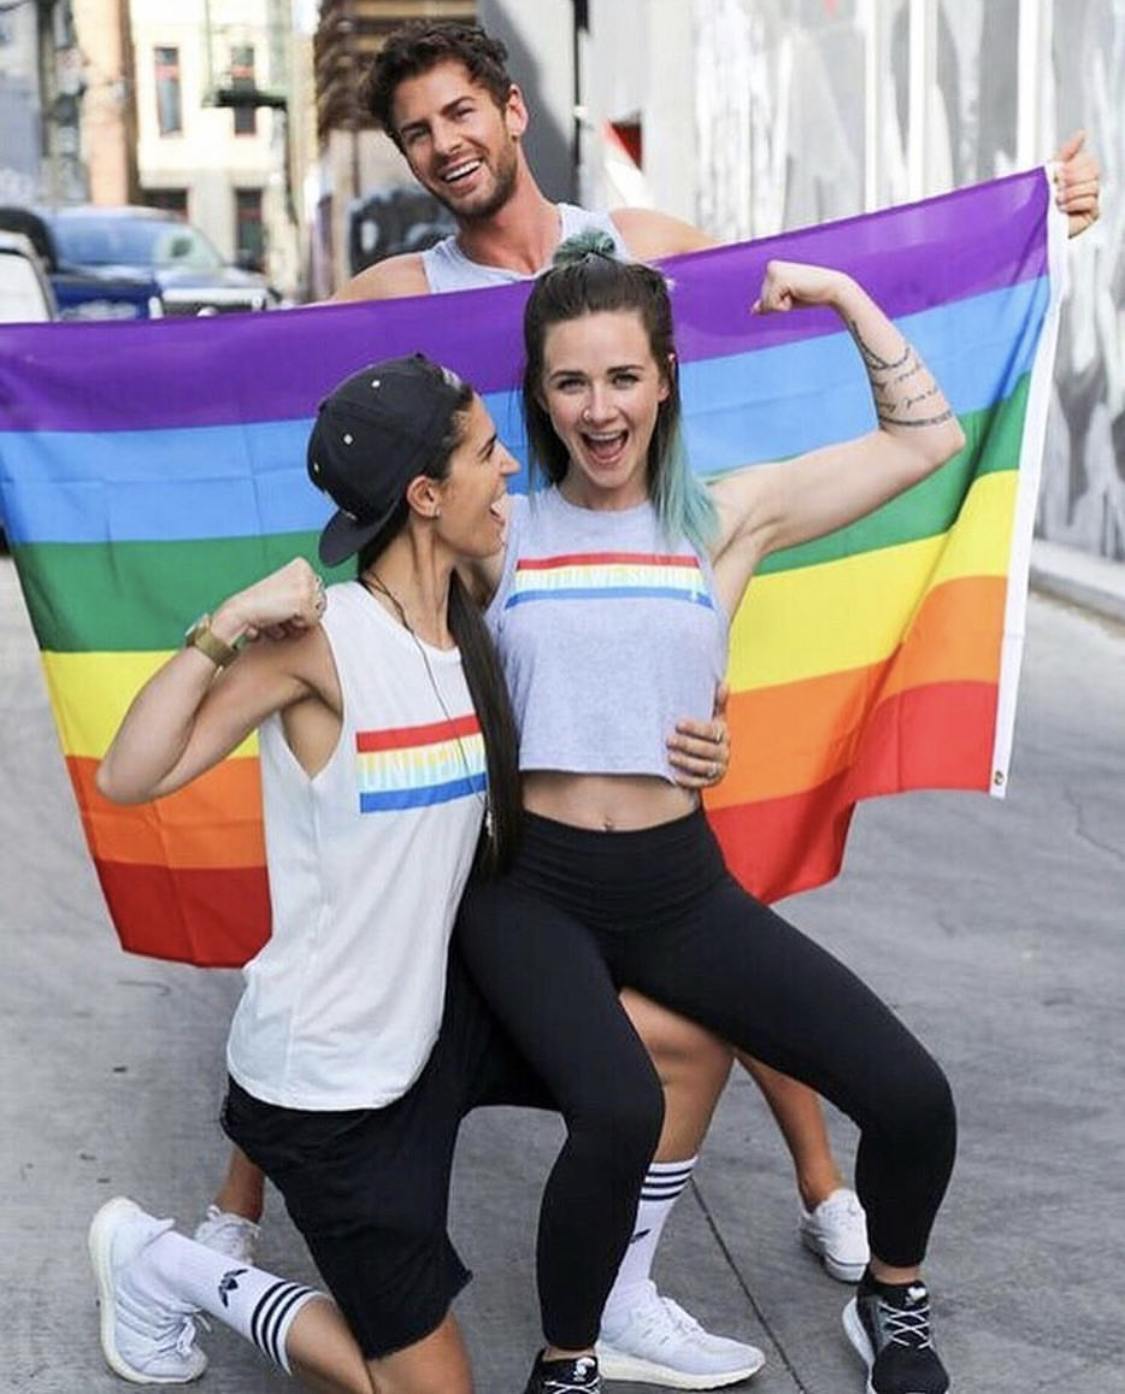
91, 293
25, 293
192, 277
401, 218
26, 296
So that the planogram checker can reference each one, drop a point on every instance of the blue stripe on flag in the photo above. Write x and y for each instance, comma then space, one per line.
249, 479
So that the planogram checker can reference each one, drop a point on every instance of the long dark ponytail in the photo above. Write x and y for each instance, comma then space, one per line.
489, 691
483, 674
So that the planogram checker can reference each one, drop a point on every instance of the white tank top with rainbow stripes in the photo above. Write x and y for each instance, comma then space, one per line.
367, 862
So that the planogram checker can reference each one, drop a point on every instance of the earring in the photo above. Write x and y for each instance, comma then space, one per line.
436, 513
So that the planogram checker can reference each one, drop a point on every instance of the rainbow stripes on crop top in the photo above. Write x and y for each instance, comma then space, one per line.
415, 766
609, 576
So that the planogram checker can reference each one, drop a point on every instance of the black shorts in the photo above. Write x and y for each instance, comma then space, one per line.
369, 1188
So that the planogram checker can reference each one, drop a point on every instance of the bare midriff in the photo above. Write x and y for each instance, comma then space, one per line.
606, 802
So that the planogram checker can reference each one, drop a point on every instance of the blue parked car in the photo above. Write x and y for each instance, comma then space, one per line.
87, 293
191, 276
133, 262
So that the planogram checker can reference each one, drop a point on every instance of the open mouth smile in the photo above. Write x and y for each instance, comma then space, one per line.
458, 173
605, 447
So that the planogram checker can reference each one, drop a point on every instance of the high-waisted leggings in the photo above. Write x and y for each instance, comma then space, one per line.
583, 914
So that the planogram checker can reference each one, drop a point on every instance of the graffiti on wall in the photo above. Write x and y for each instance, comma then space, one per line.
780, 120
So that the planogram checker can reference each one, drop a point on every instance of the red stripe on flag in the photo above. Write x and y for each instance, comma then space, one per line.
404, 736
215, 919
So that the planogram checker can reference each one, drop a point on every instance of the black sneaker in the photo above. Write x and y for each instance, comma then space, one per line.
564, 1376
890, 1327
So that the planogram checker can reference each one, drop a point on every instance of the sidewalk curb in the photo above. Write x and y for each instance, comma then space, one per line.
1094, 583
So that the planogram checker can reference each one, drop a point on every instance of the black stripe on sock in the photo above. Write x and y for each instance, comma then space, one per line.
262, 1312
662, 1192
277, 1321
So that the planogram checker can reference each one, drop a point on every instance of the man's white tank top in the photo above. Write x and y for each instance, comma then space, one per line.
448, 268
367, 862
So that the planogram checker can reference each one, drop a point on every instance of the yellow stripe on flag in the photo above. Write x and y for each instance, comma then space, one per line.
851, 613
91, 692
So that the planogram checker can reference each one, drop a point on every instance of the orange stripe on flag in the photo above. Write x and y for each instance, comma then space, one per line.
937, 737
814, 726
215, 823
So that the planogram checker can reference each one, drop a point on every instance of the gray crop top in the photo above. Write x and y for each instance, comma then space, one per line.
607, 633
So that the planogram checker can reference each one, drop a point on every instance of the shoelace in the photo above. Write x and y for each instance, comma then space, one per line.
183, 1336
683, 1321
907, 1326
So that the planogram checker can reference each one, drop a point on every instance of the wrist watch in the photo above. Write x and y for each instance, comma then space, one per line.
201, 637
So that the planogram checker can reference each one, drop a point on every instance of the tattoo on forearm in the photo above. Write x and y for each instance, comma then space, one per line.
891, 403
914, 369
875, 362
888, 420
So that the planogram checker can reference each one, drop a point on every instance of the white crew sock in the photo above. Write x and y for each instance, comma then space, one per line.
259, 1306
664, 1181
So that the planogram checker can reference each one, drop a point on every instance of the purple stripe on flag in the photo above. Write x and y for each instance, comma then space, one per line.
273, 367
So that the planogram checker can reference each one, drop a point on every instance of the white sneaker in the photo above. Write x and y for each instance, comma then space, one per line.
229, 1234
657, 1342
146, 1338
837, 1231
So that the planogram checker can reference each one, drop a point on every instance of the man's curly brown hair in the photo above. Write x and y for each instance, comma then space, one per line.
422, 44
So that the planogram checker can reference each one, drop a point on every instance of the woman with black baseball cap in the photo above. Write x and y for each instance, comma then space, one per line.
388, 768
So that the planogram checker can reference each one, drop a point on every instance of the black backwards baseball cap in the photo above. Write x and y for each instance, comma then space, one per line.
373, 434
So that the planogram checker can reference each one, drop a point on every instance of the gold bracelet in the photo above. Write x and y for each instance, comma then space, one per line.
201, 636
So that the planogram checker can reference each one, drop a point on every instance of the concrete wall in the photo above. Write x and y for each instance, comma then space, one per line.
40, 72
1083, 498
760, 115
540, 42
19, 107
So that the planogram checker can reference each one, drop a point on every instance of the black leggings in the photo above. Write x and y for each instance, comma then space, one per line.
583, 914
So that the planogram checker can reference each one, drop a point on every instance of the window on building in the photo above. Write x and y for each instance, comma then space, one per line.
170, 200
169, 107
249, 234
242, 80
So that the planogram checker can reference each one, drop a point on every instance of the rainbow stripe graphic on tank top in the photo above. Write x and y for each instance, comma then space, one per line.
609, 576
415, 766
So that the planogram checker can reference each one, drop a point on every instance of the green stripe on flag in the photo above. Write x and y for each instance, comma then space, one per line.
992, 444
97, 597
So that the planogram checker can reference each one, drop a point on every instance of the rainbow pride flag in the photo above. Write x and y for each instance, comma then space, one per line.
149, 470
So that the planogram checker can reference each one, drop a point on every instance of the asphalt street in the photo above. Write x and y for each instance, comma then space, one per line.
996, 928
